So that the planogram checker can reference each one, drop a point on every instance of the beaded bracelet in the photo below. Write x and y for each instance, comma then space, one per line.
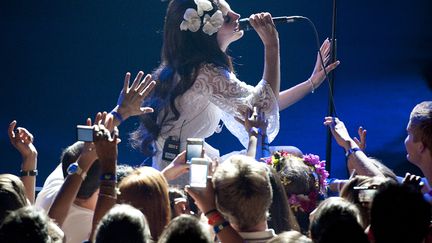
312, 84
218, 228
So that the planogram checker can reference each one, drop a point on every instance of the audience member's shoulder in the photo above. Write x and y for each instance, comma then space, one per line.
291, 236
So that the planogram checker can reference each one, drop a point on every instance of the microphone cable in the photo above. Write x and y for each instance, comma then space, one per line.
331, 97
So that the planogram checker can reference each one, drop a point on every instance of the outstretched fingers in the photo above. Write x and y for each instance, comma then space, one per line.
332, 66
329, 120
126, 82
24, 135
150, 84
143, 84
11, 128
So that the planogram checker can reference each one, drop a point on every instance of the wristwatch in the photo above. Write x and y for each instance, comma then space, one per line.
75, 169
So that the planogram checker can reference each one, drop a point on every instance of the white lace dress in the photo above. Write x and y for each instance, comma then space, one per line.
216, 95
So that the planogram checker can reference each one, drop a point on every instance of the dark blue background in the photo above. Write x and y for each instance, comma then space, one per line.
62, 61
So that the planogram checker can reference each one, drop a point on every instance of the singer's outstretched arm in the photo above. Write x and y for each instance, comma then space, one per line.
290, 96
264, 26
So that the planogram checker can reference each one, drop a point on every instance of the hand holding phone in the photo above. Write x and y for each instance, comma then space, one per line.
198, 172
84, 133
194, 148
366, 194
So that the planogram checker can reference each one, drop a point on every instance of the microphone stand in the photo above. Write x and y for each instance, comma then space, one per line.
331, 109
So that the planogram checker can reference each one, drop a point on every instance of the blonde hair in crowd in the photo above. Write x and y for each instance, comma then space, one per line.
147, 190
243, 191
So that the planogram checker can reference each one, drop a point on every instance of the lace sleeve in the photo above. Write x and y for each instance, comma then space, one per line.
234, 97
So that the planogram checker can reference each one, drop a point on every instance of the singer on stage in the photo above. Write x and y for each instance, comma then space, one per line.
196, 85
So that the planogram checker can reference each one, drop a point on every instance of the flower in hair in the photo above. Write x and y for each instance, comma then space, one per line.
191, 20
203, 5
213, 23
302, 202
275, 159
221, 7
314, 160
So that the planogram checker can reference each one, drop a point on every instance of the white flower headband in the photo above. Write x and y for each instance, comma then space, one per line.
192, 18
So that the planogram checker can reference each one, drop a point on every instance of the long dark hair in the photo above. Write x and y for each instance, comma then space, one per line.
281, 218
183, 52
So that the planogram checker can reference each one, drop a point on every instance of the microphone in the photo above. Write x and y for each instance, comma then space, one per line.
246, 26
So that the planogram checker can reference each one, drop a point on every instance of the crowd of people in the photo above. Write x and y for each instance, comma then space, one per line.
255, 195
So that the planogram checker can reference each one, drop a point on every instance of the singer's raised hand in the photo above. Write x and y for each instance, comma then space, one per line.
264, 26
318, 74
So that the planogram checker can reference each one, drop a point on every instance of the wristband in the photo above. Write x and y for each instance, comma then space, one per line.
255, 131
265, 142
350, 151
117, 116
29, 172
214, 218
108, 196
210, 211
220, 227
108, 177
111, 187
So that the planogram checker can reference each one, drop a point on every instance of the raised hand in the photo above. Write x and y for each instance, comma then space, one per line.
362, 135
22, 140
131, 97
339, 131
89, 154
105, 119
264, 26
105, 143
318, 75
177, 167
413, 181
255, 118
204, 198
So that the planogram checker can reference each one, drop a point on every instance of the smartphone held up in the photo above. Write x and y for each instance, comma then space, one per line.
84, 133
194, 148
198, 172
198, 165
